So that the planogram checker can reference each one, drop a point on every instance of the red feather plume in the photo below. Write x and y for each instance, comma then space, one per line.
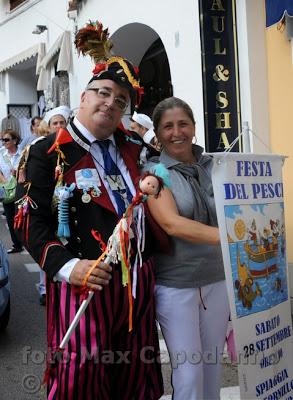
94, 41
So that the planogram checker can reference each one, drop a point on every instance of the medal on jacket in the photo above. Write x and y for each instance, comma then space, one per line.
88, 181
95, 192
117, 184
86, 197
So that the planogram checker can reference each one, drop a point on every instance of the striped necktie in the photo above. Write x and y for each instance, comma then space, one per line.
119, 188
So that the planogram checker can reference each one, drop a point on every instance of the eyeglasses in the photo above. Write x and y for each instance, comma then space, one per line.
5, 140
105, 94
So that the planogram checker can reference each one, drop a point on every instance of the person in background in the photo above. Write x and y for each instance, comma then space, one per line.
41, 130
142, 126
9, 159
191, 296
35, 122
94, 161
141, 123
57, 118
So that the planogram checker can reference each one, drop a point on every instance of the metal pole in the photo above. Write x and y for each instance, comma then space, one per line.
246, 138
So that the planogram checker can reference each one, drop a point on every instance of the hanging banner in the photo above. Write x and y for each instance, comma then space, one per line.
220, 74
248, 192
276, 10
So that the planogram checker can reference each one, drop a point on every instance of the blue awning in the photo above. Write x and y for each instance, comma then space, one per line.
276, 10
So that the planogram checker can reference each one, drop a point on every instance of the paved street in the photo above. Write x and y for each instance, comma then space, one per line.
22, 347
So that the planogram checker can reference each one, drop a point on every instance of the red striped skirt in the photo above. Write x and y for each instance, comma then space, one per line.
103, 361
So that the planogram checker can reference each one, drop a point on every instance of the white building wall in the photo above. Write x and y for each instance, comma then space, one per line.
16, 36
3, 97
17, 31
3, 9
175, 22
21, 87
253, 72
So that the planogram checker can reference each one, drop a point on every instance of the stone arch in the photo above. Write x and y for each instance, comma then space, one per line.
143, 46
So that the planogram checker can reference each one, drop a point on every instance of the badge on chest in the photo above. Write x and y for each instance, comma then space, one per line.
88, 181
115, 182
87, 178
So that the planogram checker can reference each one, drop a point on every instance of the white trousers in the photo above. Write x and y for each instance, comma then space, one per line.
195, 337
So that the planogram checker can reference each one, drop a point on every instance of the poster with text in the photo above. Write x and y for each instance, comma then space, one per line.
248, 191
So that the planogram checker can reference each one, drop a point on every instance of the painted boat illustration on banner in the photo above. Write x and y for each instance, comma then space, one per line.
257, 249
263, 258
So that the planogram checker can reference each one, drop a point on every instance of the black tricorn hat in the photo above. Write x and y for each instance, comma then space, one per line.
92, 40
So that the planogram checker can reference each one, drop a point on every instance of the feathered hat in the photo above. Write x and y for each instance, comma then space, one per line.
94, 41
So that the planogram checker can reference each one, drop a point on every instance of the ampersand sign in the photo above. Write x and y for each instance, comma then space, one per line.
221, 73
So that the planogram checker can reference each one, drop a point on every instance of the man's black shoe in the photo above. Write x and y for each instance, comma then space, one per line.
14, 250
43, 300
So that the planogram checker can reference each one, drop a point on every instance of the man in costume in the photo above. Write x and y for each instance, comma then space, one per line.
57, 118
89, 169
141, 124
142, 128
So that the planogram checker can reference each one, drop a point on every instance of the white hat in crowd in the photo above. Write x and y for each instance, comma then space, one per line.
61, 110
148, 136
143, 120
